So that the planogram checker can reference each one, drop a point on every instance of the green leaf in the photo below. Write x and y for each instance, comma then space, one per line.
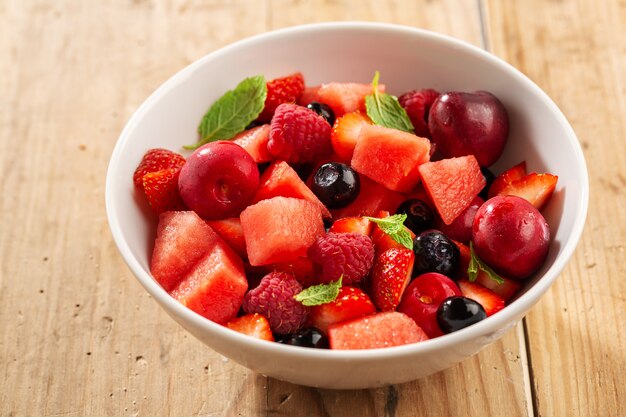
385, 109
319, 294
394, 227
232, 112
476, 263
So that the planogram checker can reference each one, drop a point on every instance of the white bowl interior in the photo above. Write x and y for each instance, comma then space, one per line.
407, 59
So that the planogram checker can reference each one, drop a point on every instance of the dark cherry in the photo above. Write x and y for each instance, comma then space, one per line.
307, 337
435, 252
457, 312
489, 177
419, 216
336, 184
323, 110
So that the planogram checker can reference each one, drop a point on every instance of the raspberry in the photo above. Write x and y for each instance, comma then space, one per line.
274, 298
298, 134
281, 90
417, 105
337, 254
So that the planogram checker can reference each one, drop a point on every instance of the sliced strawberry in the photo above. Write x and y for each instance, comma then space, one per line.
282, 90
536, 188
255, 325
346, 133
505, 290
161, 189
156, 160
352, 225
349, 304
507, 177
309, 95
301, 268
390, 275
231, 231
490, 301
254, 141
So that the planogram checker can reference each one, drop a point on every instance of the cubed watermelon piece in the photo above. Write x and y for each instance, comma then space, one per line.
254, 141
280, 179
280, 228
309, 95
452, 184
183, 238
346, 97
390, 157
379, 330
372, 198
216, 285
231, 231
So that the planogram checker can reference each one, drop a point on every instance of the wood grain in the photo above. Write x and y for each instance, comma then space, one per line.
78, 335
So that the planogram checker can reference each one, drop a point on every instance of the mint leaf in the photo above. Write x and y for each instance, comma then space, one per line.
232, 112
385, 109
394, 227
319, 294
476, 263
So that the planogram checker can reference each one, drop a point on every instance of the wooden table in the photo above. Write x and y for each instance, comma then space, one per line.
80, 337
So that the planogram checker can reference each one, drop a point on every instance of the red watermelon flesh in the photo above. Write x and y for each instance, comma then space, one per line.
280, 228
231, 231
216, 285
254, 141
379, 330
372, 198
279, 179
309, 95
346, 97
452, 184
390, 157
183, 238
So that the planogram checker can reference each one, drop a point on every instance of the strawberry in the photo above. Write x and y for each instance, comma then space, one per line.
231, 231
161, 189
536, 188
301, 268
282, 90
507, 177
389, 277
345, 133
255, 325
350, 303
156, 160
490, 301
352, 225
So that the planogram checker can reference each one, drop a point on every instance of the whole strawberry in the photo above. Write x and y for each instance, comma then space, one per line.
281, 90
274, 298
417, 104
347, 255
298, 134
161, 189
154, 160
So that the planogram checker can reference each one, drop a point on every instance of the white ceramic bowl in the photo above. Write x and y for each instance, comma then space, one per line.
407, 58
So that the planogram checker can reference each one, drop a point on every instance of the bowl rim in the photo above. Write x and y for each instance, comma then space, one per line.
510, 315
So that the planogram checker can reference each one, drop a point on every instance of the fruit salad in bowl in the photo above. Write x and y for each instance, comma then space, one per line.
351, 224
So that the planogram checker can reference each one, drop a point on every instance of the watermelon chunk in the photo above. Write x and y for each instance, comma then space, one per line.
309, 95
346, 97
231, 231
254, 141
390, 157
379, 330
183, 238
372, 198
452, 184
279, 179
280, 228
215, 287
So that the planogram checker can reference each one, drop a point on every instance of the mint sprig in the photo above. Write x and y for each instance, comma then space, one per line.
394, 227
385, 109
232, 112
476, 263
319, 294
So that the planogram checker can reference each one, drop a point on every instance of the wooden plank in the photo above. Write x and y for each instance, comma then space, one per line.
574, 50
78, 335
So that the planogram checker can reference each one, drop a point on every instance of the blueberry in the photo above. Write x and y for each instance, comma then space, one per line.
434, 252
336, 184
489, 177
419, 216
457, 312
323, 110
307, 337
